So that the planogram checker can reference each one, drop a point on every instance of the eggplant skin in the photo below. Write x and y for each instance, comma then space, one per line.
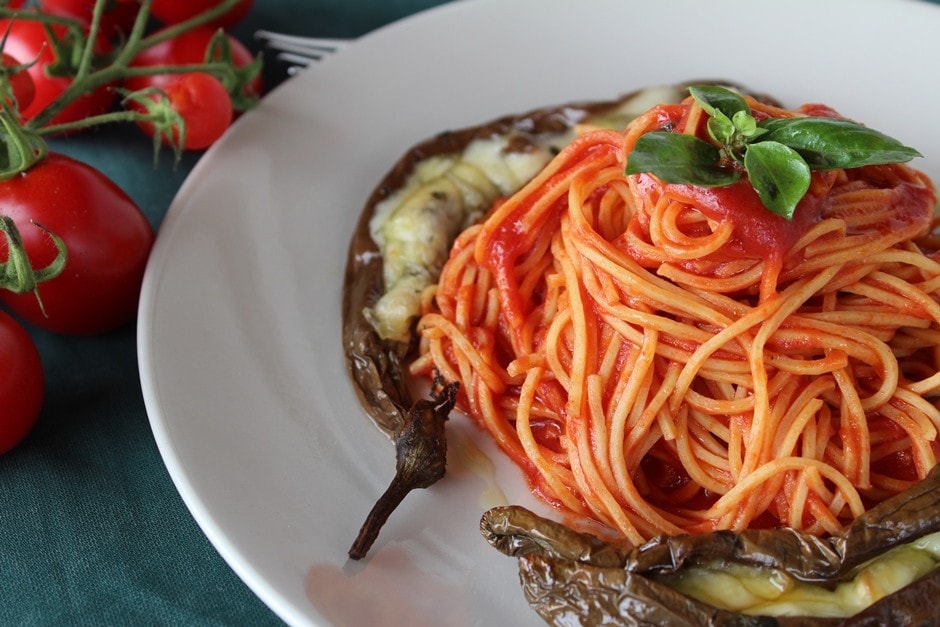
574, 578
567, 593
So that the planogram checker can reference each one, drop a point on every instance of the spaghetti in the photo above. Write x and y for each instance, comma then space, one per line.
663, 358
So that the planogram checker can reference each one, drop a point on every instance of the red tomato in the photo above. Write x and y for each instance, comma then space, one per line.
205, 107
107, 237
21, 83
22, 384
176, 11
187, 48
26, 39
118, 15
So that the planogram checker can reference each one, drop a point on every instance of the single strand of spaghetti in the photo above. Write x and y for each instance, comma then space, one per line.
554, 346
727, 285
853, 427
926, 387
717, 407
834, 360
871, 319
924, 338
612, 343
930, 286
797, 501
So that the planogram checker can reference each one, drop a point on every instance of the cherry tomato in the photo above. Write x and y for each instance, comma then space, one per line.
26, 40
22, 385
187, 48
176, 11
107, 237
21, 83
205, 107
118, 16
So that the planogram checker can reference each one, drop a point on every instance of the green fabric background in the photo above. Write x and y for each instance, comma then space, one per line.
92, 530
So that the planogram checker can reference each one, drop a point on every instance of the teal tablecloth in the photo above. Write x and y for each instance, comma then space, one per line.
92, 530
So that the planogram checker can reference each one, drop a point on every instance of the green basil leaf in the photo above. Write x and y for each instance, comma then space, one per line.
714, 99
778, 174
746, 125
829, 143
679, 158
720, 128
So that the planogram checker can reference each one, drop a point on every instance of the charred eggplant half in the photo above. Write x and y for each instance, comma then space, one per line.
879, 570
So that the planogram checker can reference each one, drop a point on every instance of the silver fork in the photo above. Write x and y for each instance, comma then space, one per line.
298, 51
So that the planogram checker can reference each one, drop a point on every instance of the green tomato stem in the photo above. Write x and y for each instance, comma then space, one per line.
87, 80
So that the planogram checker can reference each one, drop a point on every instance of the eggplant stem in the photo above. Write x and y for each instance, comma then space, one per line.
421, 458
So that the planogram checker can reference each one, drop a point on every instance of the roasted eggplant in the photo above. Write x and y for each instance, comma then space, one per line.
573, 578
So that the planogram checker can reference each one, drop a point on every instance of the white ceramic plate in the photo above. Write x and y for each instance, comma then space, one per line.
239, 327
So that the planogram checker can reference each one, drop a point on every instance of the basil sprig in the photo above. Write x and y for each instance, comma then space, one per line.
777, 155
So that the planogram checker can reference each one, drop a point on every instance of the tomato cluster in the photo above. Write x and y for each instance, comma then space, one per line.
62, 209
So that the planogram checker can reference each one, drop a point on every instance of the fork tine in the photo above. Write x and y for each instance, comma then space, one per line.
314, 47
